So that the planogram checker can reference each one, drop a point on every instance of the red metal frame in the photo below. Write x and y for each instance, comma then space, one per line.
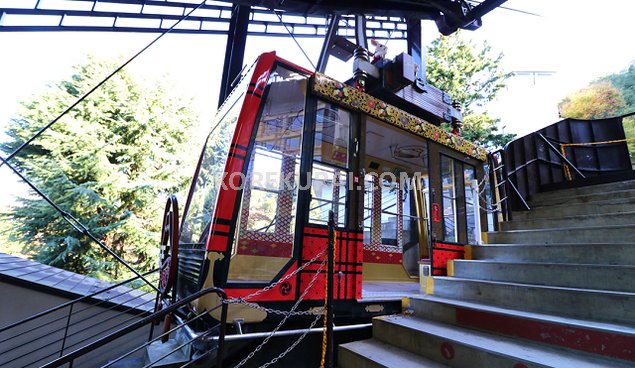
218, 239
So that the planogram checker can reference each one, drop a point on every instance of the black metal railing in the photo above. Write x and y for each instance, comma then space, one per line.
568, 150
42, 337
105, 341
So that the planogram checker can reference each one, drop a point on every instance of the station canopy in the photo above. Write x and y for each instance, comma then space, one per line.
384, 19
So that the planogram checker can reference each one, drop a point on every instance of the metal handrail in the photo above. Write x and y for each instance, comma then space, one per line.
562, 157
71, 302
70, 357
167, 333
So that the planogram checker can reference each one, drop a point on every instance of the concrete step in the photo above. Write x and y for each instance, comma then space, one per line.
602, 339
622, 218
577, 209
591, 253
596, 196
595, 234
580, 191
583, 276
597, 305
460, 347
375, 354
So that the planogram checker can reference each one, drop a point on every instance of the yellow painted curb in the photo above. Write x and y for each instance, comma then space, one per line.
405, 305
429, 285
468, 253
450, 267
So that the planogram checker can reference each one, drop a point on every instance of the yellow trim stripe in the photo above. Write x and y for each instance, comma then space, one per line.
355, 99
450, 267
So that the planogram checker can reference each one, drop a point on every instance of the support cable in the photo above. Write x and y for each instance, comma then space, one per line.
83, 97
294, 39
76, 224
70, 219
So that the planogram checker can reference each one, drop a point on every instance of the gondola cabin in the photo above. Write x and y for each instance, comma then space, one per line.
288, 147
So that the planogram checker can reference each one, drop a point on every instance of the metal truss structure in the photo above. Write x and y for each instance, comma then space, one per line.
159, 15
353, 19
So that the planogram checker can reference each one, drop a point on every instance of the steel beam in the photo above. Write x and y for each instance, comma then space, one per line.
235, 49
328, 42
415, 49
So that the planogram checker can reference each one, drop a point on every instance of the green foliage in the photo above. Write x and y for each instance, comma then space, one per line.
110, 163
483, 129
629, 132
625, 82
597, 101
472, 76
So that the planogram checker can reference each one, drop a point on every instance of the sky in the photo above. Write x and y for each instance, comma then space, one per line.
577, 41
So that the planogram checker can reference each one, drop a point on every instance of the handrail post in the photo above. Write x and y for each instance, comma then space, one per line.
68, 322
494, 192
223, 330
329, 280
507, 211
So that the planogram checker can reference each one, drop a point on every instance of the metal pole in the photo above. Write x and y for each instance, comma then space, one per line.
68, 322
328, 42
329, 280
235, 49
220, 355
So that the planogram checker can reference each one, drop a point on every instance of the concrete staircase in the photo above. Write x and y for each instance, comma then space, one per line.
554, 288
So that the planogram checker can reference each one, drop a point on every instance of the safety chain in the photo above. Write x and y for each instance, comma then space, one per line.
295, 343
282, 322
327, 307
243, 300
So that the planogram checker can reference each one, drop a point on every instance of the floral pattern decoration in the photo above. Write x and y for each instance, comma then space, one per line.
357, 100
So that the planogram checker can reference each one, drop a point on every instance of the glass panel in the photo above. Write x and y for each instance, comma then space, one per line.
391, 213
208, 179
368, 207
329, 175
266, 224
328, 193
410, 232
332, 135
449, 199
468, 177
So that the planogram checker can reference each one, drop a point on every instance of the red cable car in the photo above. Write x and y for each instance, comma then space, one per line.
288, 147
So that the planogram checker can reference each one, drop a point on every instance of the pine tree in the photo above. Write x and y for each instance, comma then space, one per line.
471, 76
110, 163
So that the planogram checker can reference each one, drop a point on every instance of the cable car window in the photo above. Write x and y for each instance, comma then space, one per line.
328, 193
265, 229
469, 177
200, 207
329, 175
391, 212
395, 185
449, 199
332, 135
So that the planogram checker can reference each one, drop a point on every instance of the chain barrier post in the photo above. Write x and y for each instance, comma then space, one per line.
329, 281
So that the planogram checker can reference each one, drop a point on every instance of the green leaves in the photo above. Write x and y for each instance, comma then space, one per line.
472, 76
110, 162
598, 100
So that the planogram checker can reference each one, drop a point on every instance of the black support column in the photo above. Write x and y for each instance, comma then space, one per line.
415, 48
235, 49
328, 43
